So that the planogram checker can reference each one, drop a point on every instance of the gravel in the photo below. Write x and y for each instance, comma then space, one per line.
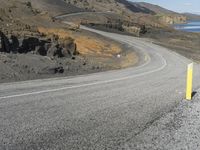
177, 130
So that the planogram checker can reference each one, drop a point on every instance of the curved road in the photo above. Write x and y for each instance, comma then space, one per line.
98, 111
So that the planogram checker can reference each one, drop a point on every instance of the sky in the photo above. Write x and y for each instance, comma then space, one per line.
191, 6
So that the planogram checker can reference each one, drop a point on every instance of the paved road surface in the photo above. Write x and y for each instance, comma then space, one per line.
97, 111
82, 13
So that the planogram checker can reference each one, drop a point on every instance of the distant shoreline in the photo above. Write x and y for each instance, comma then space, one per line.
190, 26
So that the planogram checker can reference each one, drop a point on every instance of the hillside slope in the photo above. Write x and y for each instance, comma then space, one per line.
191, 16
155, 8
134, 11
164, 15
55, 7
34, 45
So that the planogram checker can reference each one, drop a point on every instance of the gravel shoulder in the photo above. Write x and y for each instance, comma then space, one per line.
177, 130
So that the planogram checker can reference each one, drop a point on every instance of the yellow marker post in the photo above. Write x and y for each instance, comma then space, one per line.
189, 82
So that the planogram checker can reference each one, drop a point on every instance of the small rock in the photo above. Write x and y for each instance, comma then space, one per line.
59, 70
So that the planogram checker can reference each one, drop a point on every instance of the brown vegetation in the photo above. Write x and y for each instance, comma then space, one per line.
85, 45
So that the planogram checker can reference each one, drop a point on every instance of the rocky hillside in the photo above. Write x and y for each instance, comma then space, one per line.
116, 14
35, 45
135, 11
164, 15
155, 8
122, 8
192, 16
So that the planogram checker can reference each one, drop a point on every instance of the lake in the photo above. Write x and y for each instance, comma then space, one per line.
190, 26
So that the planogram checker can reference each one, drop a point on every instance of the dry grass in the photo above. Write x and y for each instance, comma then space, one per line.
90, 46
57, 31
129, 59
85, 44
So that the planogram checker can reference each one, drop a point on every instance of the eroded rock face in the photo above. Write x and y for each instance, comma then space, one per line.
52, 50
53, 47
62, 48
68, 47
29, 44
14, 44
133, 29
5, 45
170, 19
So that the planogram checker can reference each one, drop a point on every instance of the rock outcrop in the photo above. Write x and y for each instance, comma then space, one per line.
68, 47
53, 47
135, 30
5, 46
173, 19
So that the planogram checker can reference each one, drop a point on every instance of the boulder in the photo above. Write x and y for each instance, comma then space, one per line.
62, 48
56, 70
53, 50
53, 47
59, 70
68, 47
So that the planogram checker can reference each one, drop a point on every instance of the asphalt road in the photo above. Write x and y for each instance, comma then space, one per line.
98, 111
81, 13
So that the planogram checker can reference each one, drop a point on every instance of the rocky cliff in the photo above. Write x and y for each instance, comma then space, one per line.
172, 19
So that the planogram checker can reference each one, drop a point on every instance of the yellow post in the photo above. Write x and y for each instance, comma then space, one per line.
189, 82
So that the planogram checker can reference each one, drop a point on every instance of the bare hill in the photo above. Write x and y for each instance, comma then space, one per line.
154, 8
136, 12
55, 7
191, 16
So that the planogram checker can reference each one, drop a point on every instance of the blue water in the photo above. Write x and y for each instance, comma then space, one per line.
190, 26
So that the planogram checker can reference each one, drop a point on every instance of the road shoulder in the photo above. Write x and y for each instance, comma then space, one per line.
178, 129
